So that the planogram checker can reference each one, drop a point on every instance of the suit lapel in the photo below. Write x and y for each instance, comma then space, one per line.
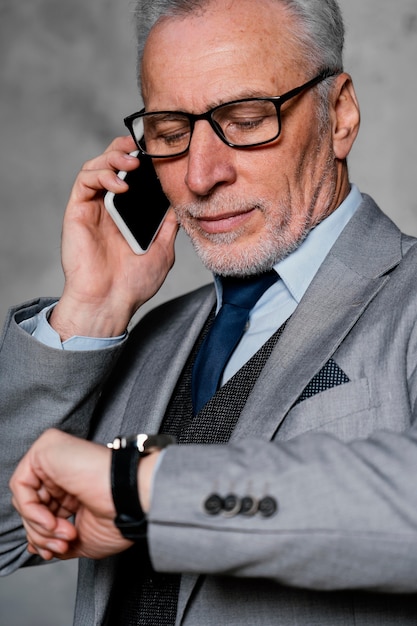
350, 277
309, 340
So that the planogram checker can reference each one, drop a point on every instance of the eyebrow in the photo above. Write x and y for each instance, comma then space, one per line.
243, 95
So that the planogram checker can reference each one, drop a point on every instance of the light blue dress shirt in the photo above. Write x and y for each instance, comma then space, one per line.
275, 306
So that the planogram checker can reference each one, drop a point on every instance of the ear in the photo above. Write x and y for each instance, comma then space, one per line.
345, 116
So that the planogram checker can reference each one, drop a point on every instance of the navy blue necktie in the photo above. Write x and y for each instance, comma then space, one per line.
239, 297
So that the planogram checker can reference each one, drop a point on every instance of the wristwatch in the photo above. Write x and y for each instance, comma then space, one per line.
127, 452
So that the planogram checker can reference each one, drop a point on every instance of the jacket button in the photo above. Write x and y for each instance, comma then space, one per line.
268, 506
231, 505
213, 505
248, 506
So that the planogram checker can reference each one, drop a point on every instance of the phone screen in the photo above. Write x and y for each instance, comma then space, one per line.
139, 212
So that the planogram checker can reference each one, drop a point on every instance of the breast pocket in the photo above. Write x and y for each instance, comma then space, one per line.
345, 410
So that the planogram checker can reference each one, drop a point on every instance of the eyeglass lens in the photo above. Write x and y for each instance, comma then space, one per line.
241, 124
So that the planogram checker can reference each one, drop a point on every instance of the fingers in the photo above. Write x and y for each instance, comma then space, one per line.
163, 245
100, 174
168, 232
42, 504
58, 503
24, 485
50, 544
124, 144
116, 157
48, 533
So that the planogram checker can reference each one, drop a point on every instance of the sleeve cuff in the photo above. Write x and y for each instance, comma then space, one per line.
39, 327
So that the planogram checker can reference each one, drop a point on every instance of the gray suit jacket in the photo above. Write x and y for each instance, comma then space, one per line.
341, 461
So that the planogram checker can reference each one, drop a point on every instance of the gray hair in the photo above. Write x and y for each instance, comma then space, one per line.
320, 37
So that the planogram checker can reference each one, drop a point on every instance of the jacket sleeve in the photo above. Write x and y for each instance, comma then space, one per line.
40, 388
346, 513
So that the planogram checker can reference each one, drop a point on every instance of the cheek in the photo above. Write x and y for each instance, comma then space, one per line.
172, 177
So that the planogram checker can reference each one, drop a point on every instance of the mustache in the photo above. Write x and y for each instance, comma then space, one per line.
219, 206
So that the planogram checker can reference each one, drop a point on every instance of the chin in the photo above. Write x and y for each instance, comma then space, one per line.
231, 255
234, 259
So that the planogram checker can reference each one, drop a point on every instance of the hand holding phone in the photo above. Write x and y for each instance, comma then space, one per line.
140, 211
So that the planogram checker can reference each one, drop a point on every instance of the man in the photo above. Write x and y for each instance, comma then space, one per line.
293, 500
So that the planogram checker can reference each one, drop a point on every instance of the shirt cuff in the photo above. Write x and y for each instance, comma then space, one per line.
39, 327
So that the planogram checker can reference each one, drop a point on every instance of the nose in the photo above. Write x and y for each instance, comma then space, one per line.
211, 163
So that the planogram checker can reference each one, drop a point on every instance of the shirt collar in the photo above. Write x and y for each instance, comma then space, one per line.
298, 269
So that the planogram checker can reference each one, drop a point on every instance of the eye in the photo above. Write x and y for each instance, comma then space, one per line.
173, 136
246, 123
246, 117
169, 130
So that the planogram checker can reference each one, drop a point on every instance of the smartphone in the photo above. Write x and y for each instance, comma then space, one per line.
140, 211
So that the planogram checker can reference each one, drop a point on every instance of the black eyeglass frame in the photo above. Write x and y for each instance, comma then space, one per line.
277, 101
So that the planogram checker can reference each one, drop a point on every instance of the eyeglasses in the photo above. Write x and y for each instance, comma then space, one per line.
242, 123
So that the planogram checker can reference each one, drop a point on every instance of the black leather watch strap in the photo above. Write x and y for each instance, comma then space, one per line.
127, 452
130, 518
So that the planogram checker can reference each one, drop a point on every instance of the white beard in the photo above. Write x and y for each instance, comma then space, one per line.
222, 253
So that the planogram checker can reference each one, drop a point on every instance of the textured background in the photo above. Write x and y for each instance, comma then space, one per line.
67, 78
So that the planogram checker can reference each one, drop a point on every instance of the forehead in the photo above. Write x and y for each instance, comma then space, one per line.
233, 49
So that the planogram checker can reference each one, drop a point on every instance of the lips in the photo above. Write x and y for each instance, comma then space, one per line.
225, 222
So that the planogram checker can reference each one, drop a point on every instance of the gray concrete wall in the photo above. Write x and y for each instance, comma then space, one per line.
67, 78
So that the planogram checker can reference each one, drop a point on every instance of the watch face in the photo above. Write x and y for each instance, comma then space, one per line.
143, 442
139, 441
133, 441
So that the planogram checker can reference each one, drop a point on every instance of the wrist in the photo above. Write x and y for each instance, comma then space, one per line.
70, 319
145, 475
